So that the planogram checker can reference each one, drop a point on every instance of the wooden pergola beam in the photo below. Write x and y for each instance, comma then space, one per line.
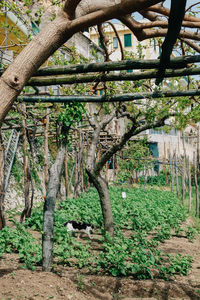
115, 98
177, 62
47, 81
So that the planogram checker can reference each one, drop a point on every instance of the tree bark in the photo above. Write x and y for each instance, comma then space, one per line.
27, 176
102, 187
49, 206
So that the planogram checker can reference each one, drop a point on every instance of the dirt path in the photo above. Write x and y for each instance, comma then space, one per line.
68, 284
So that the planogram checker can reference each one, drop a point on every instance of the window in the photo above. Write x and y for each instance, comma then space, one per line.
115, 43
127, 40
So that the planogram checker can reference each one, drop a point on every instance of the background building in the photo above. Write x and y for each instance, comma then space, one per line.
147, 49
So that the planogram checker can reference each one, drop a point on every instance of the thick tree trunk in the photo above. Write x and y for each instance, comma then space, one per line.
2, 184
102, 187
49, 206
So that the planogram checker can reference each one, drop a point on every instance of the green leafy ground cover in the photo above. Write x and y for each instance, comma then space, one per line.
142, 221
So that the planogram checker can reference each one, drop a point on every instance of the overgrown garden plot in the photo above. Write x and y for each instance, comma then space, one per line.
142, 220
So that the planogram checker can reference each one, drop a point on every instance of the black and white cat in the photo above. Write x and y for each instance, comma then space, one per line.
79, 227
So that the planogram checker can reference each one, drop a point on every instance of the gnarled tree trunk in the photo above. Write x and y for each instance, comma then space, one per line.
102, 187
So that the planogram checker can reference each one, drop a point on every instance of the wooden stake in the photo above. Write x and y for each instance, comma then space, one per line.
196, 184
66, 173
172, 172
46, 150
27, 176
183, 181
177, 181
190, 185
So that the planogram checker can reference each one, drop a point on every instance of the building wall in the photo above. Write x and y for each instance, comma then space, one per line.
150, 50
83, 45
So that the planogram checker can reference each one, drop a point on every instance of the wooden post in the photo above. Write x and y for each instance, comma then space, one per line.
144, 174
66, 173
177, 181
2, 183
183, 181
190, 185
171, 171
27, 176
198, 146
87, 147
196, 184
46, 150
77, 161
165, 171
81, 145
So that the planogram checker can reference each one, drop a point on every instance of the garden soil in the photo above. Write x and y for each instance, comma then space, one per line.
70, 284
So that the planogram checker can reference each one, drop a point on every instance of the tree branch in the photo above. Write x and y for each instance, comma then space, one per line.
165, 11
70, 7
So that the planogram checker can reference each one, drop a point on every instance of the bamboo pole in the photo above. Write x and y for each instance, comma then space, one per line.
177, 62
102, 77
105, 98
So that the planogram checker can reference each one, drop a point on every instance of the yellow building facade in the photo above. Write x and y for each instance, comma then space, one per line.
14, 35
146, 49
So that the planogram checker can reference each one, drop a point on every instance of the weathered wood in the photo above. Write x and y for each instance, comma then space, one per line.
183, 181
177, 62
77, 167
49, 206
190, 185
165, 171
115, 98
171, 171
81, 145
196, 183
66, 173
46, 151
177, 181
27, 176
46, 81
